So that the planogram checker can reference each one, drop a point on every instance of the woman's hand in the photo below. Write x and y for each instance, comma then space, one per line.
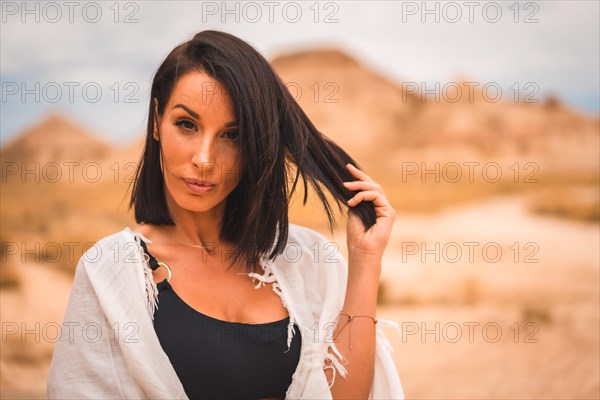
370, 244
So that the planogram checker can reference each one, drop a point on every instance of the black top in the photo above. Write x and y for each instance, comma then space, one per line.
216, 359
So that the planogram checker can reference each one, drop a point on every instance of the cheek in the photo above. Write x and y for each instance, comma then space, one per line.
174, 149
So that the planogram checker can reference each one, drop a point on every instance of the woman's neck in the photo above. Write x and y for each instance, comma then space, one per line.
193, 227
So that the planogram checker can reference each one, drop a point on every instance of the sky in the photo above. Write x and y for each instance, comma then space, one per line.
94, 61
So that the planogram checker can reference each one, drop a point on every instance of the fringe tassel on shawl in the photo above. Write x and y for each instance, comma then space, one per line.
269, 277
149, 285
336, 364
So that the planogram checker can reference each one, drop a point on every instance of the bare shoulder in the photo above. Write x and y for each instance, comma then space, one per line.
147, 230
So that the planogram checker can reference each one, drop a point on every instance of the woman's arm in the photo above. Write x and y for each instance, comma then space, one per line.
357, 338
361, 299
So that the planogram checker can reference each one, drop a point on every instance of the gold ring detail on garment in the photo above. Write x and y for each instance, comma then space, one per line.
162, 264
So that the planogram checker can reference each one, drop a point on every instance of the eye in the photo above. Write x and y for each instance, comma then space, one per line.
186, 124
231, 134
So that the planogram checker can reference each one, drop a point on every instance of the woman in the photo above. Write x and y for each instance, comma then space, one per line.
211, 202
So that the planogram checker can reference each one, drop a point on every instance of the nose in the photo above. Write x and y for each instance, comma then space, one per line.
204, 152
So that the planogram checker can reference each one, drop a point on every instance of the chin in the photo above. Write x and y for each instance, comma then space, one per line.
196, 203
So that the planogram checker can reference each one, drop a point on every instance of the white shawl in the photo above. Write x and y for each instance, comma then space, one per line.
108, 347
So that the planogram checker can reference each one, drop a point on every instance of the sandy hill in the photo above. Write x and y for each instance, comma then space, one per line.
348, 102
376, 118
55, 139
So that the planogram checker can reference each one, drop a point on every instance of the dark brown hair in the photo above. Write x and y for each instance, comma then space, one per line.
274, 131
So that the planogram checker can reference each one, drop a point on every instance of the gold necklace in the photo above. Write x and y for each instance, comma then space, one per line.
208, 250
211, 252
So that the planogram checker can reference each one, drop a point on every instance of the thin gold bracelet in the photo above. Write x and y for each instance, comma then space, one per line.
350, 318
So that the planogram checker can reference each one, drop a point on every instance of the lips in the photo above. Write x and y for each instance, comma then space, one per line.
197, 186
198, 182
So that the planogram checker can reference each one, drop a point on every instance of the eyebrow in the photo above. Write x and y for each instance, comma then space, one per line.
197, 116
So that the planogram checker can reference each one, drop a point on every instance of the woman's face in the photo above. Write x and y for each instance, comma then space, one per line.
200, 143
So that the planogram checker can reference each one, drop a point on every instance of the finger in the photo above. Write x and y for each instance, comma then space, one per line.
376, 197
383, 208
358, 173
363, 185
